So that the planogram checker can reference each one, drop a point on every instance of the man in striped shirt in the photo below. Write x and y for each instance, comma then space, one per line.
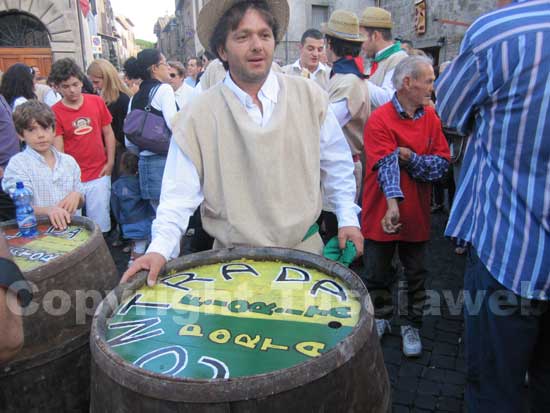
498, 89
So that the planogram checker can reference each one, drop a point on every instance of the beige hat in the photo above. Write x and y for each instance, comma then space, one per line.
377, 18
213, 11
343, 25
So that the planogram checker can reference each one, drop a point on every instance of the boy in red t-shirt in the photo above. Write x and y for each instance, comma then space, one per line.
83, 130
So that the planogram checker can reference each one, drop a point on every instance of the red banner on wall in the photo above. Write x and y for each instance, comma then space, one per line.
85, 7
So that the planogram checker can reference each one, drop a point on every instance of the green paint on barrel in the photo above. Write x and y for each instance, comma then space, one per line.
233, 319
50, 244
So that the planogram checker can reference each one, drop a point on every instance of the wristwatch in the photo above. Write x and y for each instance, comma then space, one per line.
12, 279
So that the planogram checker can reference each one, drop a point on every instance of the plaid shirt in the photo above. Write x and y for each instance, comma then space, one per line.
48, 186
423, 168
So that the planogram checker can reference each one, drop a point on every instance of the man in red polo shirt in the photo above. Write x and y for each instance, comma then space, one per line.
405, 151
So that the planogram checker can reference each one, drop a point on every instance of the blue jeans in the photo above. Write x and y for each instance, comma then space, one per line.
506, 336
151, 169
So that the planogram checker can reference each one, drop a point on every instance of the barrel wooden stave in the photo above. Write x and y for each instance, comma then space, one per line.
92, 260
56, 380
328, 394
52, 372
349, 378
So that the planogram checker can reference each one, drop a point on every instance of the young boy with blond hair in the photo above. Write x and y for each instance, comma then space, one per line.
52, 177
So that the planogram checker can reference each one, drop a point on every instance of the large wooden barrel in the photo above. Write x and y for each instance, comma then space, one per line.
241, 330
71, 271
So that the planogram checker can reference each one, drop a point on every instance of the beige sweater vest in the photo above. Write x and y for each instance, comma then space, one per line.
356, 92
213, 74
261, 185
386, 66
321, 78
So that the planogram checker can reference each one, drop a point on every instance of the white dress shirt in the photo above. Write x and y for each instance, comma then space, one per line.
184, 95
182, 193
321, 67
380, 95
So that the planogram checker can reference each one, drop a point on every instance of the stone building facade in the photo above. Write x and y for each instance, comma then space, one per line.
54, 29
304, 14
166, 30
309, 14
127, 41
39, 32
446, 23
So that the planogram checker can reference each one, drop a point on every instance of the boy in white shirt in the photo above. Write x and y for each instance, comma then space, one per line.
52, 177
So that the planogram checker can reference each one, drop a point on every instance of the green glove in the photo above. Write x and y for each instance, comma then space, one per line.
333, 252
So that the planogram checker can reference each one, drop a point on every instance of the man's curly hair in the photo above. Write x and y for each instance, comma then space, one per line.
63, 69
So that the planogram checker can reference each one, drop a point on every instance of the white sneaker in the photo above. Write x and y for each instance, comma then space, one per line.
412, 346
381, 326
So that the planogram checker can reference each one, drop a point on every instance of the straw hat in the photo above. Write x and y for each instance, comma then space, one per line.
376, 18
343, 25
213, 11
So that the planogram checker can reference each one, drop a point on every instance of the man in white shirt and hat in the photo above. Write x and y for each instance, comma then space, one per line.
312, 46
255, 151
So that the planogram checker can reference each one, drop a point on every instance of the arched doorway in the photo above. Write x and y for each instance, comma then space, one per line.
24, 39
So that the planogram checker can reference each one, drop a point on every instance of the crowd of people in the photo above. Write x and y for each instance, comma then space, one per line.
349, 138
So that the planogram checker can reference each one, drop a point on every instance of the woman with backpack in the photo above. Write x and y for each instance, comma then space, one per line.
155, 94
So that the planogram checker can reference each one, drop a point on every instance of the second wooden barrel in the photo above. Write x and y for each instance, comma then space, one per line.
71, 271
241, 330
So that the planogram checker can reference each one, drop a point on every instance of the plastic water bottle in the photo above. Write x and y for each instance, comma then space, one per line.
24, 212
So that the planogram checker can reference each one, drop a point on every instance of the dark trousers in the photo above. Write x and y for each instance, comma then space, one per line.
506, 336
7, 209
381, 276
201, 241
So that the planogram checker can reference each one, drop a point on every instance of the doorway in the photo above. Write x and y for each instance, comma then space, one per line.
24, 39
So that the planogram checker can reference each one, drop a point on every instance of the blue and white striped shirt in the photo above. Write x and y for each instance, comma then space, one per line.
498, 89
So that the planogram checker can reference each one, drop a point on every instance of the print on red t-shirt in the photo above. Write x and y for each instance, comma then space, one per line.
82, 133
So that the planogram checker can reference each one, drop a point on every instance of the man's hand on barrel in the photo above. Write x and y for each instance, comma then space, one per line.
352, 234
151, 261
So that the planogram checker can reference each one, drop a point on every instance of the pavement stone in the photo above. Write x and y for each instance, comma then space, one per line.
425, 402
446, 404
428, 388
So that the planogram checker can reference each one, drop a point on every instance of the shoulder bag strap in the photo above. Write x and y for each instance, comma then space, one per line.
152, 94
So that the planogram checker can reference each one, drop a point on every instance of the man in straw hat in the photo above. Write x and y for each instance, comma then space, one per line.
248, 152
348, 89
405, 151
376, 25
